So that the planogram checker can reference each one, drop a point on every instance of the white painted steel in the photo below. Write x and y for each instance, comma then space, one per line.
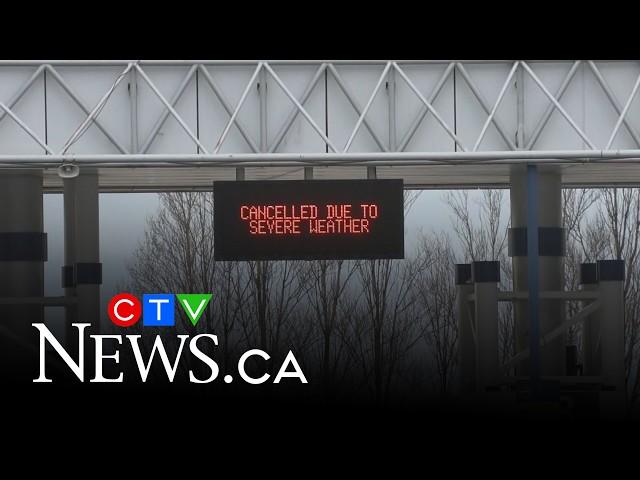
445, 117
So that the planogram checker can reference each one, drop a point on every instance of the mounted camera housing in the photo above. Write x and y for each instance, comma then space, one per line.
68, 170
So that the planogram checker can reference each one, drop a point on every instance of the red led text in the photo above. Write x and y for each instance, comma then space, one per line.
309, 218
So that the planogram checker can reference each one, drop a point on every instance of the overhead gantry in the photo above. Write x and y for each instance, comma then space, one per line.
86, 127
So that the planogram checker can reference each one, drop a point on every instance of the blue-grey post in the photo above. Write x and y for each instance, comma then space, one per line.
537, 247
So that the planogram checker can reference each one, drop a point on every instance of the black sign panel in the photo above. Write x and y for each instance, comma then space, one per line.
308, 219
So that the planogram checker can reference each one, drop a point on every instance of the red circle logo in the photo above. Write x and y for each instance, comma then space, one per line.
124, 310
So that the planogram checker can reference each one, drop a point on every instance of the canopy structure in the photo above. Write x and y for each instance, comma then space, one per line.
418, 177
161, 126
180, 125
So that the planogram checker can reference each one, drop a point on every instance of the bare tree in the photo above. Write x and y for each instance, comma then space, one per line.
328, 283
482, 231
620, 213
605, 224
382, 323
480, 228
382, 326
436, 293
176, 254
232, 285
276, 290
577, 215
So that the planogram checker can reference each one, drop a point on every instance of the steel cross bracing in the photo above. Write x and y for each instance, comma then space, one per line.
180, 124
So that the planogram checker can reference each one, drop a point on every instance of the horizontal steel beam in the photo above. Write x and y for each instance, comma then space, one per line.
334, 159
106, 63
414, 186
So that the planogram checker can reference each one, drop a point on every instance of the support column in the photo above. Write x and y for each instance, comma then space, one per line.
467, 345
551, 249
485, 276
88, 269
611, 320
68, 280
82, 273
591, 326
23, 251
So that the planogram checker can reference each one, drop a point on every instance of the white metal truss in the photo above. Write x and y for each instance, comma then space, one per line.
414, 119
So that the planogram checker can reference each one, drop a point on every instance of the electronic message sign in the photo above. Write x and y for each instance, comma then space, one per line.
308, 219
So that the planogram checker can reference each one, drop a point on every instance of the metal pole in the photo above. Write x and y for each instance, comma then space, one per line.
133, 102
262, 94
87, 62
87, 268
552, 157
68, 274
520, 107
393, 129
536, 245
533, 278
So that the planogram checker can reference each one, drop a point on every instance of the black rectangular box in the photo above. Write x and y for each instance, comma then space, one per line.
308, 219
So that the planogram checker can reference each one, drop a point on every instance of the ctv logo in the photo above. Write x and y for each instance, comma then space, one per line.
156, 309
